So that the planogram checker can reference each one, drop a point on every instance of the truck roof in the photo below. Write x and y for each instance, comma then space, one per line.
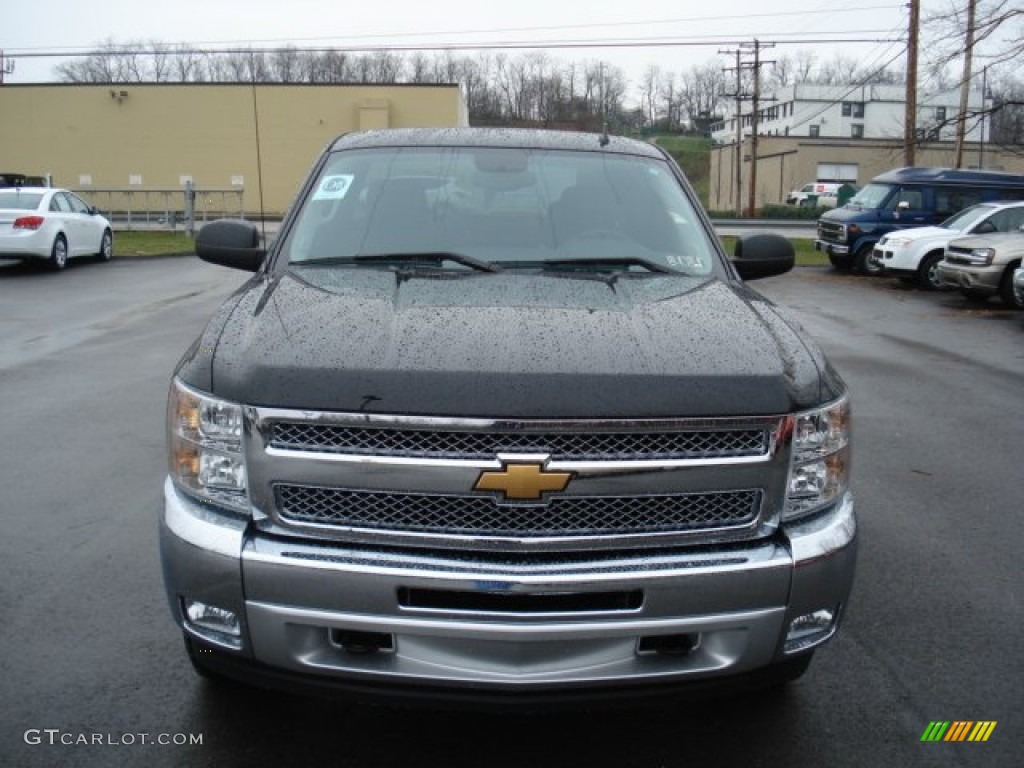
520, 138
921, 175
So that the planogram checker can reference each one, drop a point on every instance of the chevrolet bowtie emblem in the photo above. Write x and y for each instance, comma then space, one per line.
521, 482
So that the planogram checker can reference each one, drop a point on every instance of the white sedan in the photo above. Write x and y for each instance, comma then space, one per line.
51, 224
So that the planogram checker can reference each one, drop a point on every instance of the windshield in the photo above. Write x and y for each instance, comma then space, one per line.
967, 218
468, 207
13, 199
872, 196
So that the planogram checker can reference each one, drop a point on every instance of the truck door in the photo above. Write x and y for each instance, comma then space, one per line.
909, 207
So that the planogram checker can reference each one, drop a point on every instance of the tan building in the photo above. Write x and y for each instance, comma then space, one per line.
149, 139
787, 163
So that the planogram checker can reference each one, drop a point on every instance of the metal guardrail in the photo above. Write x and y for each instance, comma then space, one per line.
163, 208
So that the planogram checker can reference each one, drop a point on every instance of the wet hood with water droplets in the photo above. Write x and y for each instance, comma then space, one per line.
509, 345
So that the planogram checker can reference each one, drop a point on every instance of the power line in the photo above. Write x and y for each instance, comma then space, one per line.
499, 30
515, 45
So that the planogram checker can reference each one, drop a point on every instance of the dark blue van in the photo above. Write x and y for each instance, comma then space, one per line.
904, 198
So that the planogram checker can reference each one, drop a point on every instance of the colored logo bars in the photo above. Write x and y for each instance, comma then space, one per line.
958, 730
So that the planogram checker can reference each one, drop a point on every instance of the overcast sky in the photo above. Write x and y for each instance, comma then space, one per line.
31, 27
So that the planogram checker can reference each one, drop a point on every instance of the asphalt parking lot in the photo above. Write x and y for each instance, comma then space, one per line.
87, 647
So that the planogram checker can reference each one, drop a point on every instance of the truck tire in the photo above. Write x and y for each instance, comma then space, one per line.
1006, 292
928, 273
863, 262
839, 263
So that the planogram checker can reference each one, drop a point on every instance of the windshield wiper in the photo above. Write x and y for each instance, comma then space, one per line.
432, 258
610, 265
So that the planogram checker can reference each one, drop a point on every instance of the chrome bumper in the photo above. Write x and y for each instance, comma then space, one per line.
828, 247
296, 598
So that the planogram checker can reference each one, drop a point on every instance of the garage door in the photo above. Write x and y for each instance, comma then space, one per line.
837, 172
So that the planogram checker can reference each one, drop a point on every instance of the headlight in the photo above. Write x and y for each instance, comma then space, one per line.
898, 242
205, 447
819, 471
981, 257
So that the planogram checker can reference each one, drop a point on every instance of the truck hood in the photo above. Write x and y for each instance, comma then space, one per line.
850, 213
922, 233
510, 345
1010, 245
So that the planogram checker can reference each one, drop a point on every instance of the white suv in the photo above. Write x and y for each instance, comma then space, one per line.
913, 255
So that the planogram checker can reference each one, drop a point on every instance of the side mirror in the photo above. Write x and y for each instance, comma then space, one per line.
230, 243
903, 205
763, 256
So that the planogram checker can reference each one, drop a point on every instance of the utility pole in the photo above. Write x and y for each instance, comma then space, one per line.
738, 159
965, 85
754, 107
910, 116
755, 99
984, 117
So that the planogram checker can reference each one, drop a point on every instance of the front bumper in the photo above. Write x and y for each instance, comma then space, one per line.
297, 601
897, 260
970, 278
831, 248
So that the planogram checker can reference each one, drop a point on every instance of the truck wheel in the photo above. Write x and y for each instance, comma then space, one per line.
839, 263
1006, 292
864, 264
928, 272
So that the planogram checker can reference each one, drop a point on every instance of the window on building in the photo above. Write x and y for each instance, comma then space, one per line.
940, 113
853, 109
857, 130
815, 129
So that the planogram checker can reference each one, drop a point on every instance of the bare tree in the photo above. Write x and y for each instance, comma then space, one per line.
671, 94
160, 61
446, 68
803, 65
650, 89
383, 67
187, 65
839, 70
419, 68
285, 65
702, 89
782, 72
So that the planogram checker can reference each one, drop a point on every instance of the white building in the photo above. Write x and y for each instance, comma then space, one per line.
851, 112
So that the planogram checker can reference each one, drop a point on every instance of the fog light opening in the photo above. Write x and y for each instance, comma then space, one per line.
213, 623
362, 642
811, 629
669, 645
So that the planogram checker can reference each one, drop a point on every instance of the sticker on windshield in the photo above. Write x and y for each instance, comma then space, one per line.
333, 187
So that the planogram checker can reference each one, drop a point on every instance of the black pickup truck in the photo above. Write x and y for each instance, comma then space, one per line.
497, 417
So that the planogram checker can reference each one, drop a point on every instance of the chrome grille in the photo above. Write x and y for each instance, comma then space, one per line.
482, 516
958, 255
566, 446
829, 230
